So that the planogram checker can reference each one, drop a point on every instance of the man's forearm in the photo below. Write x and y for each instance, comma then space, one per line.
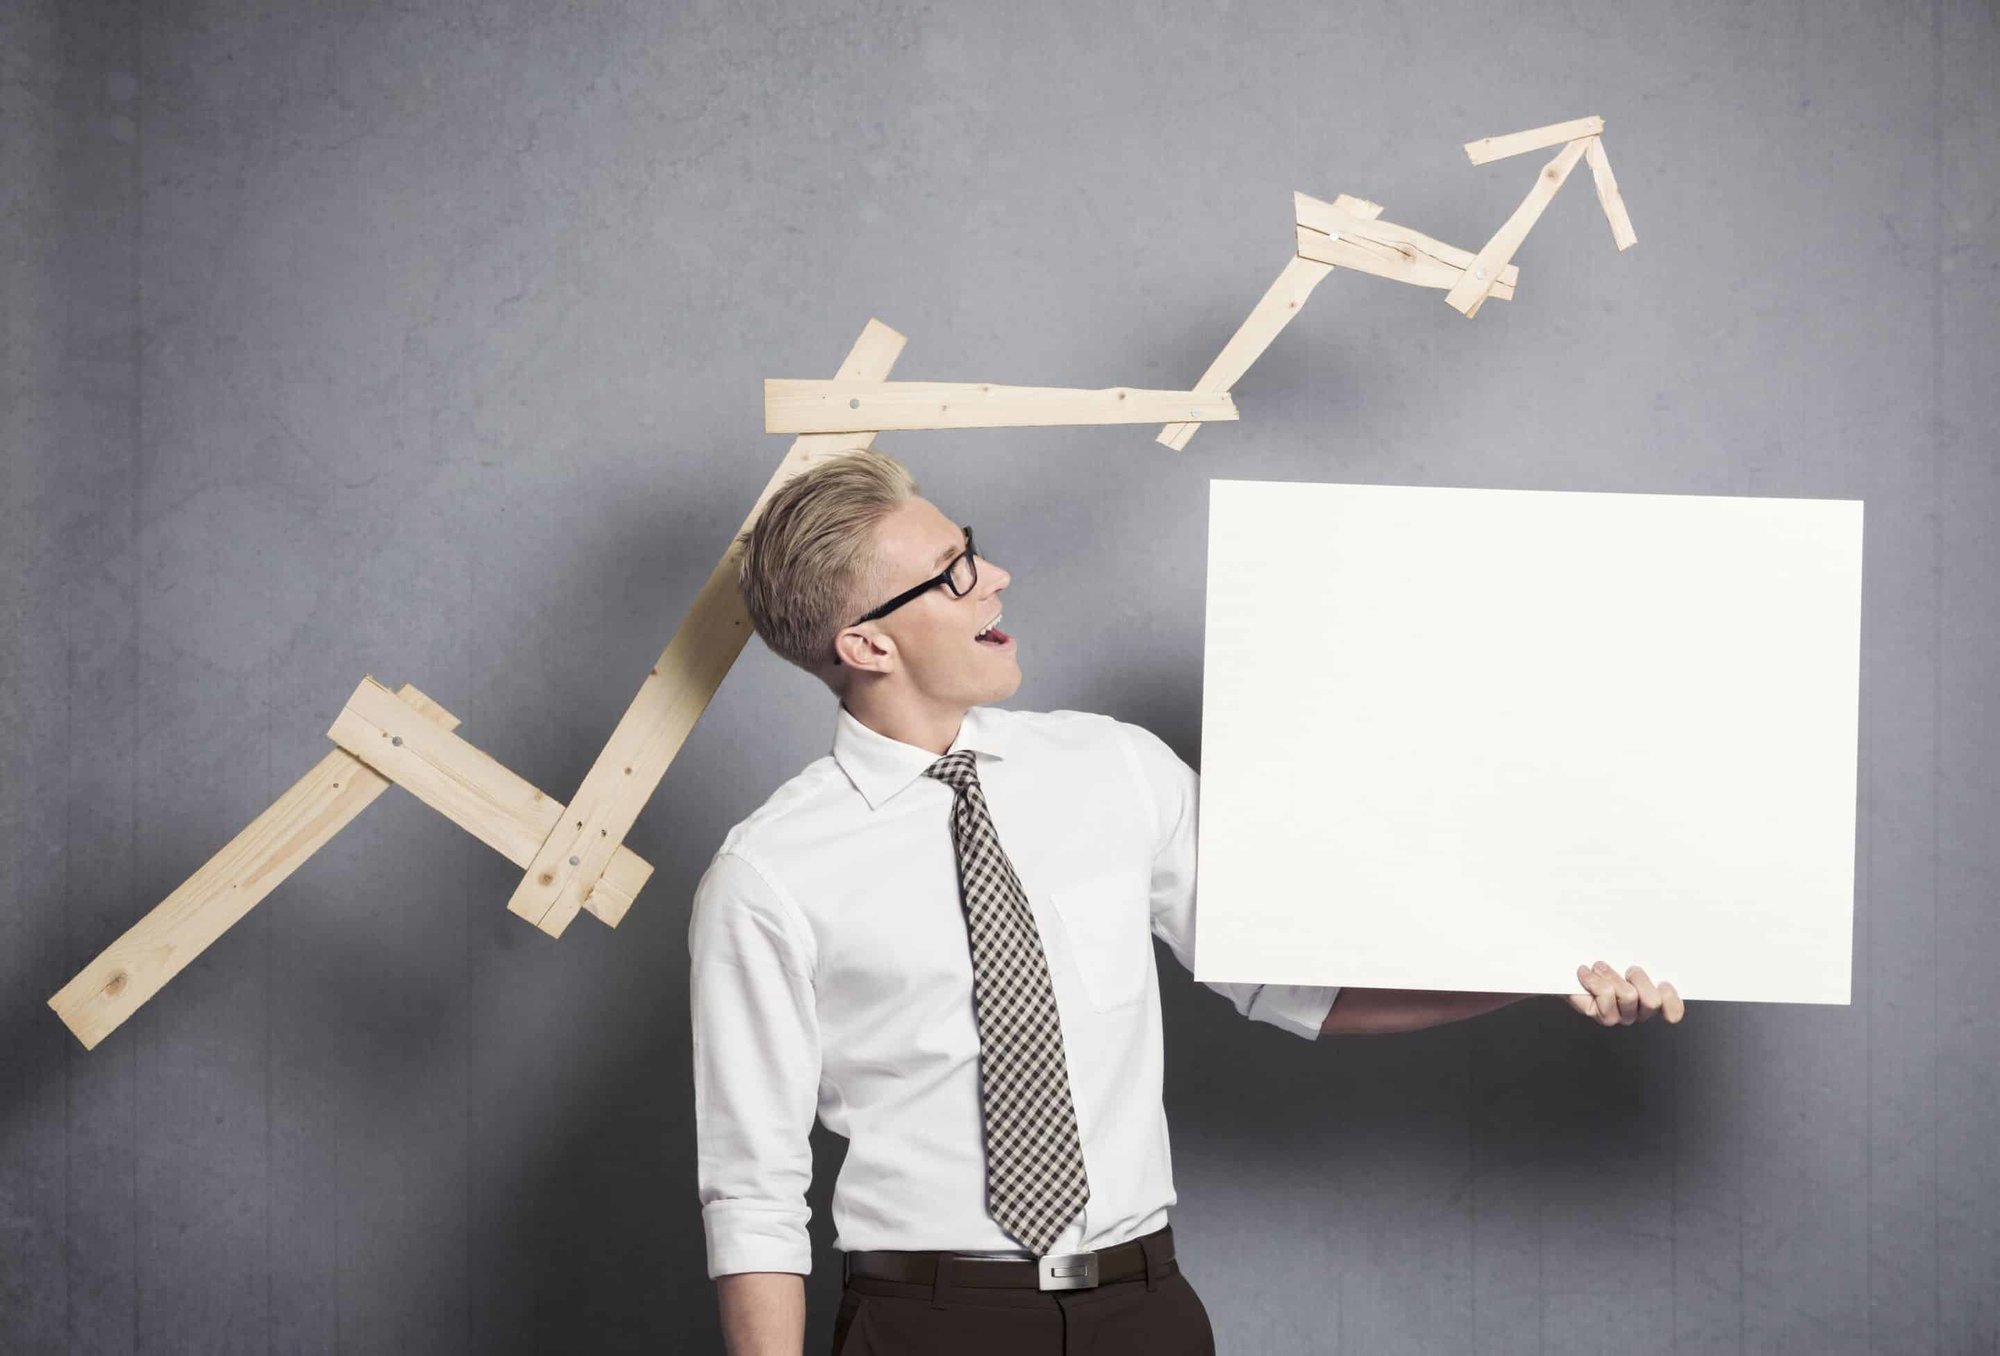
763, 1313
1365, 1012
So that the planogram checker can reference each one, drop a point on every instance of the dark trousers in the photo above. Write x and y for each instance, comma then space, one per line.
1159, 1314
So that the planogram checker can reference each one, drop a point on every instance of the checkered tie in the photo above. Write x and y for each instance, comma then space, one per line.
1035, 1182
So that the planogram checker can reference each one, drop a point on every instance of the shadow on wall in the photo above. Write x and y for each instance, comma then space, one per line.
602, 1235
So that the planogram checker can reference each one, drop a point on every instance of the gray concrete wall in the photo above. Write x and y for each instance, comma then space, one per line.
426, 341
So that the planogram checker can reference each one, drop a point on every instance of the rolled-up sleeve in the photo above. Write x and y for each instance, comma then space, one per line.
1174, 791
756, 1069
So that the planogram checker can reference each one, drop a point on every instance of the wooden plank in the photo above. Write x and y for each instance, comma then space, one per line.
207, 904
1400, 263
1608, 195
1478, 278
471, 789
795, 406
1381, 238
1385, 249
1488, 149
1273, 311
570, 865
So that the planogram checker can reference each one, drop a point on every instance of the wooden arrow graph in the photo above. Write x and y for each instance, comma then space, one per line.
573, 854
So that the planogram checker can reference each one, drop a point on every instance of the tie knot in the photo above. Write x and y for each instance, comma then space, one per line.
954, 770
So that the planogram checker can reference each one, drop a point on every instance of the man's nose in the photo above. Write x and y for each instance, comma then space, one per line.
999, 576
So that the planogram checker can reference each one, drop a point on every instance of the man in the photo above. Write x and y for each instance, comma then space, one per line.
937, 938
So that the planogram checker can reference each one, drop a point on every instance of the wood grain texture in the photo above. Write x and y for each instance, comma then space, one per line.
1385, 249
1608, 196
107, 991
1274, 310
802, 406
471, 789
1488, 149
1481, 274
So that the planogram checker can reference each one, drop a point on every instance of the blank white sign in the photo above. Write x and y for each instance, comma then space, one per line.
1471, 739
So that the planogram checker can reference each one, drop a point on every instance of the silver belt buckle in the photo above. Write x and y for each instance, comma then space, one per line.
1067, 1271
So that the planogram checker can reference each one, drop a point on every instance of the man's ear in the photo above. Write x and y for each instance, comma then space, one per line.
866, 651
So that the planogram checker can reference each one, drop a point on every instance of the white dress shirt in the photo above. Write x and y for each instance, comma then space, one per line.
832, 974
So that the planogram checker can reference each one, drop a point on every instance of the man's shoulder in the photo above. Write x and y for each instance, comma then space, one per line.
1090, 731
1061, 726
796, 804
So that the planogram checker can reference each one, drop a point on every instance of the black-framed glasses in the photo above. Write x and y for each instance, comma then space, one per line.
958, 576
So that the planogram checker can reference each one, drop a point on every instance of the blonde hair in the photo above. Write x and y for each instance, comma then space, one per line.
811, 554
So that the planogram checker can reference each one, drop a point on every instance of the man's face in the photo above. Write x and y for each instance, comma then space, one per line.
932, 635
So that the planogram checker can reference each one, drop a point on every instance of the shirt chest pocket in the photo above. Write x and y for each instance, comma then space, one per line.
1108, 920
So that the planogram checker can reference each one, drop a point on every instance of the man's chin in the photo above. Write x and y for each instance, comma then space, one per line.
999, 688
987, 684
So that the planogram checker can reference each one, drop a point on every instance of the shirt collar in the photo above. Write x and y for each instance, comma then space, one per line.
880, 766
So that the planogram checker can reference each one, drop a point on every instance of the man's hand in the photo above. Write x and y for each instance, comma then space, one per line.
1621, 1002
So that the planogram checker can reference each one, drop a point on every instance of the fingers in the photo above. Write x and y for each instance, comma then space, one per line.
1628, 996
1624, 996
1616, 1000
1603, 988
1649, 993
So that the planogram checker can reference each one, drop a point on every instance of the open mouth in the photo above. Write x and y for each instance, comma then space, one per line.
993, 636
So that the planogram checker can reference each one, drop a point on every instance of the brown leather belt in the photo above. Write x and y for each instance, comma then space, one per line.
1127, 1261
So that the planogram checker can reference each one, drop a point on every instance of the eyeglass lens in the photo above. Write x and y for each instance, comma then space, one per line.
963, 574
